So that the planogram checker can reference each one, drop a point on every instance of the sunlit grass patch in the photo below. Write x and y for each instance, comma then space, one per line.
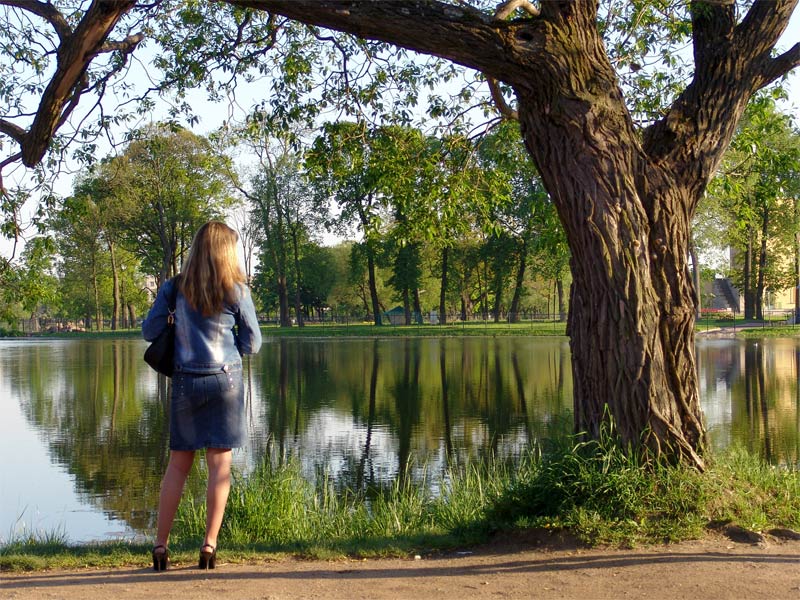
278, 510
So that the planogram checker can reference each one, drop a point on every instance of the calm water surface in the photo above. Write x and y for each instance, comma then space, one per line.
85, 433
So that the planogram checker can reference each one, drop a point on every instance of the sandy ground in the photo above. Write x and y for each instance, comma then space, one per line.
713, 568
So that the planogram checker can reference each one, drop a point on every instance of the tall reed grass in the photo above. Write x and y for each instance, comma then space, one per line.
276, 509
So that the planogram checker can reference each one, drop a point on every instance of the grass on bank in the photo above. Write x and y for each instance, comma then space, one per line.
355, 329
595, 492
772, 328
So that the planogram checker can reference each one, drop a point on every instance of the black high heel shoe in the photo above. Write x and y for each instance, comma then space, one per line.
160, 559
208, 560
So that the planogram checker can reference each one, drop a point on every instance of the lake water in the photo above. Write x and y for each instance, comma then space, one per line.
84, 435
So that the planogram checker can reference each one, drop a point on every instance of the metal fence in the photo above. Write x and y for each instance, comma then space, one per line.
708, 319
417, 319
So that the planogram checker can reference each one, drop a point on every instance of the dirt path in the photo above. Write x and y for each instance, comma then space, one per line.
714, 568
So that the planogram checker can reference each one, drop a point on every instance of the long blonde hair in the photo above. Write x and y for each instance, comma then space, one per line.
211, 275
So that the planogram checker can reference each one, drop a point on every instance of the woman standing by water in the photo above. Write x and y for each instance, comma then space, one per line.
215, 324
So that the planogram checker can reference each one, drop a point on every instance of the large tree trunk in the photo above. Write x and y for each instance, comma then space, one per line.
373, 288
631, 319
513, 311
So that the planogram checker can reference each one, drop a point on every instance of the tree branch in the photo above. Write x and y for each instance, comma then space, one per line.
125, 46
461, 33
74, 56
731, 64
712, 30
764, 24
780, 65
46, 11
507, 8
500, 102
504, 11
12, 130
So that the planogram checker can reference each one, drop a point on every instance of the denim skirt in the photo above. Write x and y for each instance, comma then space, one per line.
207, 410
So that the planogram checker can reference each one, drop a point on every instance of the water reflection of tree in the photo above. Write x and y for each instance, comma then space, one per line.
87, 400
366, 473
761, 377
448, 435
420, 400
756, 397
406, 395
410, 402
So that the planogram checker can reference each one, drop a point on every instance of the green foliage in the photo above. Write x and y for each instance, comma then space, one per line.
173, 181
277, 509
752, 203
646, 40
743, 489
605, 493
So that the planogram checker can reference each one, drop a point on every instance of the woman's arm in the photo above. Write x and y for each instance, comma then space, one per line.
248, 335
156, 319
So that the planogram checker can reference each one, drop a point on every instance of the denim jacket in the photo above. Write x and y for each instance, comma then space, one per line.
206, 344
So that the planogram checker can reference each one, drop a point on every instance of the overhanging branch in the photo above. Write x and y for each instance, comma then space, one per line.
460, 33
505, 10
12, 130
46, 11
781, 65
74, 57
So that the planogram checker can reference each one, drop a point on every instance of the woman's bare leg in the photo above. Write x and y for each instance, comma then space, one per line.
219, 485
180, 463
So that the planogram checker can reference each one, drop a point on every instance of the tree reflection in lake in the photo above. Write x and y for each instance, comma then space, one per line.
370, 412
364, 412
749, 391
87, 400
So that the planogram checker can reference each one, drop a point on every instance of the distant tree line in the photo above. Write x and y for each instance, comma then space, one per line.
450, 225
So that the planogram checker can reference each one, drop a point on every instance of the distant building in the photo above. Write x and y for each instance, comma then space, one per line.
396, 316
